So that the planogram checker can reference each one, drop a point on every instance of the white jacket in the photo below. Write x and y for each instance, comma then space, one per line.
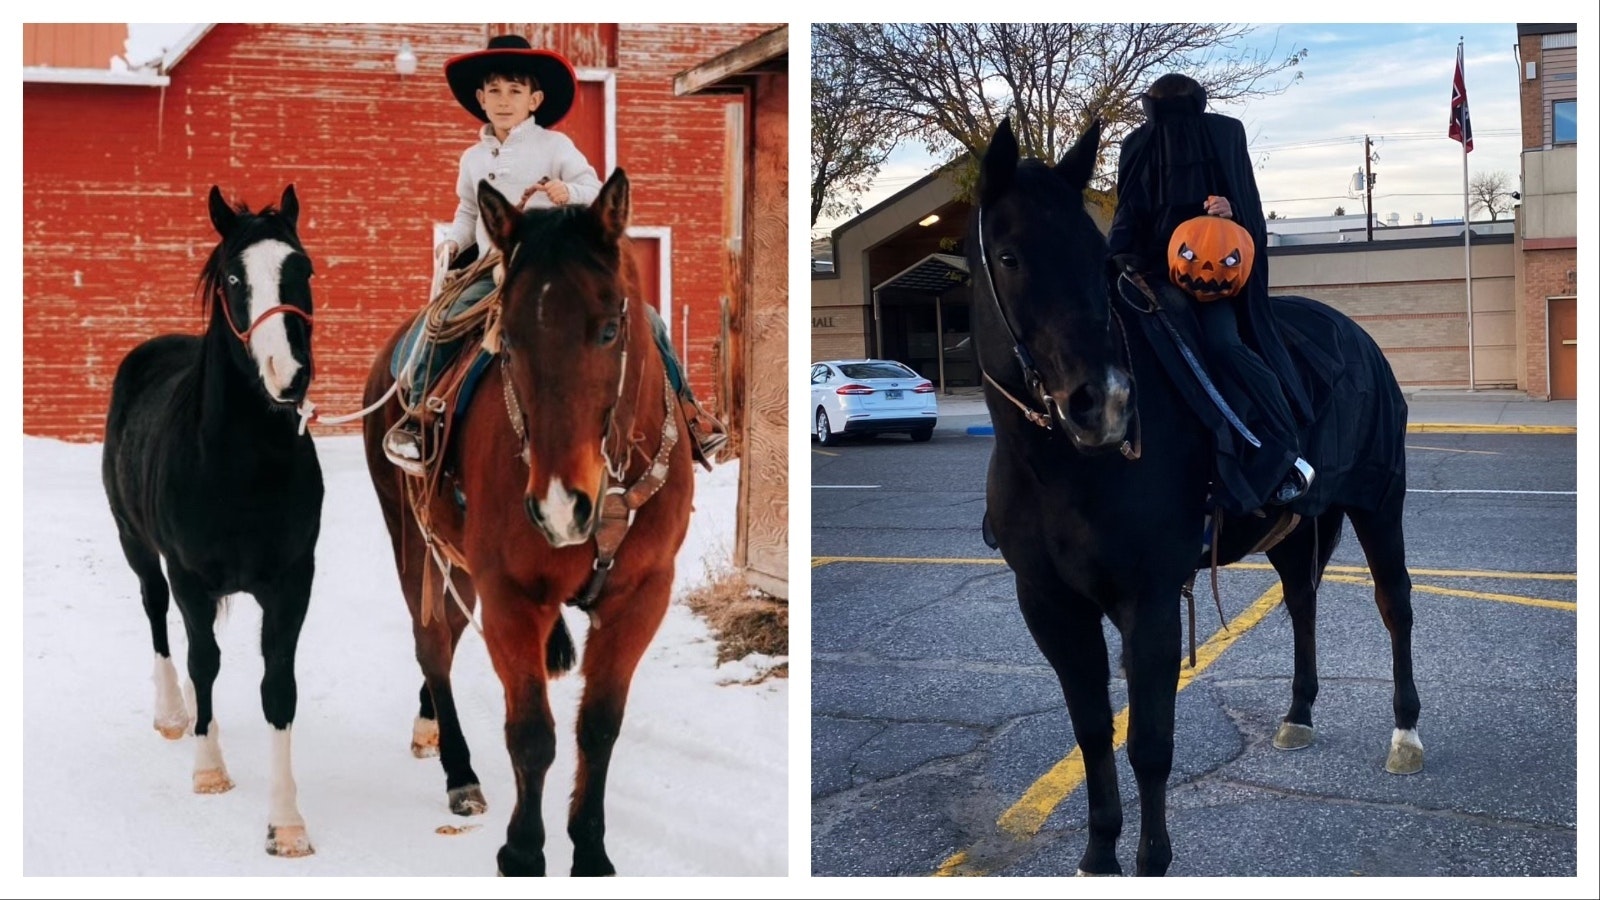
530, 152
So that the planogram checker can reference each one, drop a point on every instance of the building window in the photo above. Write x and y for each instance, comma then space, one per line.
1564, 121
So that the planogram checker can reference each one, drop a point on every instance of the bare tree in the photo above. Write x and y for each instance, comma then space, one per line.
954, 82
849, 139
1491, 191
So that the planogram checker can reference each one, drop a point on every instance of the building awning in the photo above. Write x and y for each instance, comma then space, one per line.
933, 274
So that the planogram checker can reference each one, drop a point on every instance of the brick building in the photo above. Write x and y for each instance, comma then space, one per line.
117, 164
1547, 223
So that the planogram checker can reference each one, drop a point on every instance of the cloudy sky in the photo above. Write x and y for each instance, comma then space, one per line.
1388, 81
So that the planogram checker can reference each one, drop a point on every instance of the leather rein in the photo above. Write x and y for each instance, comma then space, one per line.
1131, 449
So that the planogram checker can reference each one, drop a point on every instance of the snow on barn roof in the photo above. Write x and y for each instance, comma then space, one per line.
145, 73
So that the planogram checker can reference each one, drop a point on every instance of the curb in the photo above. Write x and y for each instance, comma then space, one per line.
1467, 428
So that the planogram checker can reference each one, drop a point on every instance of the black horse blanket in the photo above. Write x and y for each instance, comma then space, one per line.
1356, 438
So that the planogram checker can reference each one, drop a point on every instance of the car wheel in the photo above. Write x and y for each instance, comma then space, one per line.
922, 434
824, 434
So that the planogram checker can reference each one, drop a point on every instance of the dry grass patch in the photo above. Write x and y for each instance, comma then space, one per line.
743, 620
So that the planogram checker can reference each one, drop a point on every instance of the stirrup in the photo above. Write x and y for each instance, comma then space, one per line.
403, 447
1295, 484
710, 435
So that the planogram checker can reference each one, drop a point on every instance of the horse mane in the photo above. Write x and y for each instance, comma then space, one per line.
252, 228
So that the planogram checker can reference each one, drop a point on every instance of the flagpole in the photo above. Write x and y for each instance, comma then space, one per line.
1466, 217
1466, 220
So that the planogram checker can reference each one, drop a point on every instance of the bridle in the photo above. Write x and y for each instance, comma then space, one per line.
1030, 373
244, 336
618, 501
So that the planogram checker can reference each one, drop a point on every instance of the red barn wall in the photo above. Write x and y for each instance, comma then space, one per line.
115, 227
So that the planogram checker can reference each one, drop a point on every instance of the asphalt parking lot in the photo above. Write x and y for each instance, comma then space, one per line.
940, 743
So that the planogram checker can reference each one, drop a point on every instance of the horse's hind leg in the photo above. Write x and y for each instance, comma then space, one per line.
1067, 630
171, 719
626, 621
205, 660
283, 611
1383, 539
1299, 560
437, 729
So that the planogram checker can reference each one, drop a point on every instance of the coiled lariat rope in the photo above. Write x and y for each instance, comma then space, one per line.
438, 328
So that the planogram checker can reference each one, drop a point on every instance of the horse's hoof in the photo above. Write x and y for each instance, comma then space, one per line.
591, 863
1405, 753
424, 738
468, 801
1083, 874
1292, 736
288, 840
173, 728
212, 781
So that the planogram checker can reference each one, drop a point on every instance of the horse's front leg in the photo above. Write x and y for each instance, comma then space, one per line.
1066, 626
1151, 647
437, 729
205, 661
516, 629
283, 611
626, 621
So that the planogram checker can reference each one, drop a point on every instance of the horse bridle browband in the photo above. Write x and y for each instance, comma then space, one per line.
1030, 372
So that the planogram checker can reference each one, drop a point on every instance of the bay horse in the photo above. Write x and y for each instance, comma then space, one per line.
1072, 376
205, 467
570, 420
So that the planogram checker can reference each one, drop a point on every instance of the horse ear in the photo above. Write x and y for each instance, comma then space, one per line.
289, 207
614, 205
999, 163
500, 218
1077, 165
223, 217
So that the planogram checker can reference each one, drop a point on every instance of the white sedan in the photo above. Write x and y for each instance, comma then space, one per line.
870, 396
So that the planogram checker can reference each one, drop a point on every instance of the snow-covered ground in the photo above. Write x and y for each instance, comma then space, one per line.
698, 784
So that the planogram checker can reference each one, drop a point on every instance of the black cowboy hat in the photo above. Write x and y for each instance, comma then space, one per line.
513, 53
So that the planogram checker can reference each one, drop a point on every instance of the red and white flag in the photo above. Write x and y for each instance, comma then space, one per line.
1460, 120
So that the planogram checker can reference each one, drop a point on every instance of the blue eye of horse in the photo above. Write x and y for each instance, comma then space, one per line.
609, 333
233, 280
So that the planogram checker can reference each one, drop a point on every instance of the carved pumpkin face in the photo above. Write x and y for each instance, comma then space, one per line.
1210, 257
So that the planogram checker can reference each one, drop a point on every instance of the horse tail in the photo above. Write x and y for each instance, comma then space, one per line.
559, 654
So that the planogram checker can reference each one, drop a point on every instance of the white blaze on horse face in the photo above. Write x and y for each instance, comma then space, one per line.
558, 509
269, 343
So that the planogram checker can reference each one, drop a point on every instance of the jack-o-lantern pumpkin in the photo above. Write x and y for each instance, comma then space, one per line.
1210, 257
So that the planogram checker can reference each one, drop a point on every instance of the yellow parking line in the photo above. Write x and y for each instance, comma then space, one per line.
824, 452
1028, 814
1452, 450
909, 560
1243, 566
1468, 428
1474, 595
1435, 573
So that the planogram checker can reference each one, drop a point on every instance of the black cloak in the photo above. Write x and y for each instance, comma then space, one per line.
1168, 166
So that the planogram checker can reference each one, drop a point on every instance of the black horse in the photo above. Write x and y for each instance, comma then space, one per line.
1072, 376
205, 467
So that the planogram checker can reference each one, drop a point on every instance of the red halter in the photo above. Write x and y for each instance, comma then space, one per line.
244, 336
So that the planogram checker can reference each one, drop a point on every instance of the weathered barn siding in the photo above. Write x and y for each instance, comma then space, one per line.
115, 178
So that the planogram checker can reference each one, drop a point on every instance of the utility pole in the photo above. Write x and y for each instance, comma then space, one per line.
1369, 188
